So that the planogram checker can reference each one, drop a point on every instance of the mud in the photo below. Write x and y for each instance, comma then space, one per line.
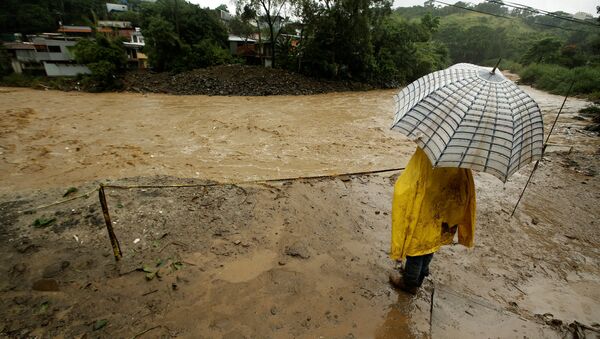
302, 258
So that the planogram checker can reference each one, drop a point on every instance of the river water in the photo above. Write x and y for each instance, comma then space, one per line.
52, 138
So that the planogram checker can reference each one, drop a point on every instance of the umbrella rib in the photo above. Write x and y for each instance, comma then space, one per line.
429, 91
439, 117
472, 84
480, 119
426, 145
514, 165
521, 131
487, 160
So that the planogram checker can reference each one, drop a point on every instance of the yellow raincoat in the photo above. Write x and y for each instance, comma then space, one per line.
428, 204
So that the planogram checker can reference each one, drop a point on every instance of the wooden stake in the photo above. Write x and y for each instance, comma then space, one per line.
111, 233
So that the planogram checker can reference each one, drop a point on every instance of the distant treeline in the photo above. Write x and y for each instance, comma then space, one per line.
361, 40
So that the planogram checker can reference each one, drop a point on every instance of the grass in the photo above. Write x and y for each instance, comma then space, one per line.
557, 79
43, 222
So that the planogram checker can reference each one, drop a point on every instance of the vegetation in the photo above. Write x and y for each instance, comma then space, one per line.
182, 36
546, 51
36, 16
557, 79
361, 40
105, 58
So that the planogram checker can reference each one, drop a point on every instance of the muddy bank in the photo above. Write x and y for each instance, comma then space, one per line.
235, 80
300, 259
226, 80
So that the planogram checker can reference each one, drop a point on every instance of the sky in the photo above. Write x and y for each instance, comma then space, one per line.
569, 6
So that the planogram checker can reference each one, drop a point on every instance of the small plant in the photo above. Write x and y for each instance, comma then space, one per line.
69, 191
43, 222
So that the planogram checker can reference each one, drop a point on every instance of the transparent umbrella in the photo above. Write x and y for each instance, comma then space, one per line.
472, 117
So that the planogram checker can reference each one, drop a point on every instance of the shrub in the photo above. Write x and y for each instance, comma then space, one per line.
105, 58
208, 53
557, 79
18, 80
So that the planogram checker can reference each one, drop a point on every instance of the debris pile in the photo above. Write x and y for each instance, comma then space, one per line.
238, 80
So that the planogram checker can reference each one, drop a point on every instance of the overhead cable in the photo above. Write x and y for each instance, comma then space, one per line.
540, 11
508, 17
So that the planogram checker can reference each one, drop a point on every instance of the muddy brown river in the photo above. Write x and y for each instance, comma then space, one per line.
54, 138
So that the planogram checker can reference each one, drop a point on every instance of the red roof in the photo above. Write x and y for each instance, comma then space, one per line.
75, 29
18, 45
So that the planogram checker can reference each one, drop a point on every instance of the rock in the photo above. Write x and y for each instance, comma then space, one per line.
46, 285
18, 269
534, 221
236, 80
100, 324
55, 269
25, 245
21, 299
344, 178
297, 249
556, 322
377, 212
273, 310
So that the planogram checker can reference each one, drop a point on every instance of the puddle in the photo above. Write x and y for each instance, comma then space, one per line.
246, 269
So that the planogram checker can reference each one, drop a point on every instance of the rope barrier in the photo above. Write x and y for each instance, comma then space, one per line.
85, 195
118, 254
111, 234
254, 181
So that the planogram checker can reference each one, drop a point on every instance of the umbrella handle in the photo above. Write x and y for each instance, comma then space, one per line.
495, 67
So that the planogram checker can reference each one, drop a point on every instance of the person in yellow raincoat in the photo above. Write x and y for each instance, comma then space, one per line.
429, 207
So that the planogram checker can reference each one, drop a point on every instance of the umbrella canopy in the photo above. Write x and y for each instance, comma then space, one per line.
469, 116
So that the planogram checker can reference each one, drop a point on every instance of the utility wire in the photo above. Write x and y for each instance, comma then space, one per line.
473, 10
541, 11
508, 17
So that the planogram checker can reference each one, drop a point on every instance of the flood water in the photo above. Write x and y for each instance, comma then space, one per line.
52, 138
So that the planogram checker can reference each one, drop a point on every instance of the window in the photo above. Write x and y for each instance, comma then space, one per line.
54, 49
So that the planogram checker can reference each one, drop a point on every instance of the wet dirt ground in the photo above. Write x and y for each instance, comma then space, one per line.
293, 258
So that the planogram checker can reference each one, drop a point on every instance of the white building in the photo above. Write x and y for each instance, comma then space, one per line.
47, 54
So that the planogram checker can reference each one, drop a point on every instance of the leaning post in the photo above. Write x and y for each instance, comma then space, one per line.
111, 233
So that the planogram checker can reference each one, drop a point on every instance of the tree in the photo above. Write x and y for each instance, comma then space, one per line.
493, 7
162, 44
543, 51
181, 36
105, 58
271, 12
5, 67
38, 16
